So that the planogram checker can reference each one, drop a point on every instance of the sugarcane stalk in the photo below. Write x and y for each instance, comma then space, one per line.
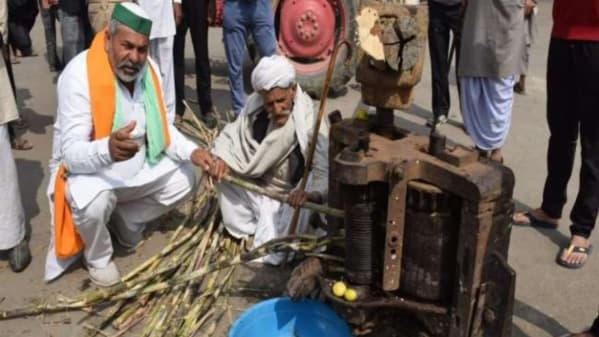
282, 198
120, 291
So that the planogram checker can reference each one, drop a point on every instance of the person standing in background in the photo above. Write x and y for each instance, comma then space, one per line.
490, 52
240, 19
195, 18
12, 217
445, 17
162, 38
72, 28
49, 13
21, 18
530, 27
572, 106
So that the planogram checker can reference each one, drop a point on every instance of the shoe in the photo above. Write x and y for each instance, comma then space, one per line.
439, 121
19, 257
104, 277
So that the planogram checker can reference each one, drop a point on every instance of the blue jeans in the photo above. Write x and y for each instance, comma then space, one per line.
240, 18
73, 35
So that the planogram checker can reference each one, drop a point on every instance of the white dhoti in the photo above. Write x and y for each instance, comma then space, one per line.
246, 213
128, 210
12, 218
487, 109
161, 51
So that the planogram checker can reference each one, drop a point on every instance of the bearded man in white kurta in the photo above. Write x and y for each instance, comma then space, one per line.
267, 144
116, 159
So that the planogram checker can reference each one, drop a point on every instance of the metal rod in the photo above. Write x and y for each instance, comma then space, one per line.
312, 148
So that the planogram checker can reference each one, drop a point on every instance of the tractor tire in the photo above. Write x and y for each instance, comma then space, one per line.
311, 75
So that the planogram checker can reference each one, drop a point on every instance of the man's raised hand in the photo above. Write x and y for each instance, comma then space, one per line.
120, 145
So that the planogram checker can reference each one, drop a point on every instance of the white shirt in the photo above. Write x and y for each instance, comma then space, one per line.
162, 15
89, 163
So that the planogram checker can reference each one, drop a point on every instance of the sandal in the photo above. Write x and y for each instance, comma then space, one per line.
21, 145
574, 249
21, 123
535, 222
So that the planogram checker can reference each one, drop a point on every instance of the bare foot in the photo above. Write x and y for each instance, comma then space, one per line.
497, 155
572, 257
532, 217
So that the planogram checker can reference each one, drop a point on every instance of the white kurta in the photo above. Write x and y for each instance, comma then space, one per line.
162, 38
91, 168
246, 213
12, 218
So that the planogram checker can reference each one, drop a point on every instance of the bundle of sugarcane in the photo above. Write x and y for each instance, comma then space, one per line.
175, 292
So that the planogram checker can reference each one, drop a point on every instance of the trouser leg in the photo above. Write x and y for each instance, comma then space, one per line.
438, 41
263, 28
563, 123
234, 35
584, 212
12, 217
18, 37
239, 217
91, 223
49, 22
198, 28
161, 50
73, 35
179, 66
140, 205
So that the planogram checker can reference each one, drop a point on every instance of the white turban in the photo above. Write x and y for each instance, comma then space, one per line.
273, 72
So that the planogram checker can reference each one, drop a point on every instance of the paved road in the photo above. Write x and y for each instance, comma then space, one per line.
550, 300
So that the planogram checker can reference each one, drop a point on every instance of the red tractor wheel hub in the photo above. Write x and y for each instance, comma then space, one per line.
307, 28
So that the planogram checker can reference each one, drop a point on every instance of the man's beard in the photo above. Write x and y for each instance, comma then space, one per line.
120, 73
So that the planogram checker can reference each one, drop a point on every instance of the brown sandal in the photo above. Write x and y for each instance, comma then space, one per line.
21, 145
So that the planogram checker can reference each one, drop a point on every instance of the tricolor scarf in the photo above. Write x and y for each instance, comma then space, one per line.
107, 117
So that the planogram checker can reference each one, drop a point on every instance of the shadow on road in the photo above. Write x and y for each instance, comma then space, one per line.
555, 236
537, 318
37, 121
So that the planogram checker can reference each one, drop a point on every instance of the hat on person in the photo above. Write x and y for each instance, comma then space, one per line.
274, 71
132, 16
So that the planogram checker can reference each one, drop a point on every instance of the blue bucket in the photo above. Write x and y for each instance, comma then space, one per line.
281, 317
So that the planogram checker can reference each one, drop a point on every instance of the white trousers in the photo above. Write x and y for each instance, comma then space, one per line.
126, 211
246, 213
12, 217
161, 51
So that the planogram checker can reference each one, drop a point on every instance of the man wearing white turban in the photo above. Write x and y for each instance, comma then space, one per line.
267, 144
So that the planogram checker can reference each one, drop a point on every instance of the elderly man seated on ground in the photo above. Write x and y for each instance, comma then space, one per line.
117, 160
267, 144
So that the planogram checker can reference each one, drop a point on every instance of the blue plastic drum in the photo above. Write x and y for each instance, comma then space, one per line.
281, 317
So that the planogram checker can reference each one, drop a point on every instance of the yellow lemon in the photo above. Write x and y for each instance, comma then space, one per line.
362, 114
350, 295
339, 288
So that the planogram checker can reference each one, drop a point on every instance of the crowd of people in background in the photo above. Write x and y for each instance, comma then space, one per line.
488, 43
